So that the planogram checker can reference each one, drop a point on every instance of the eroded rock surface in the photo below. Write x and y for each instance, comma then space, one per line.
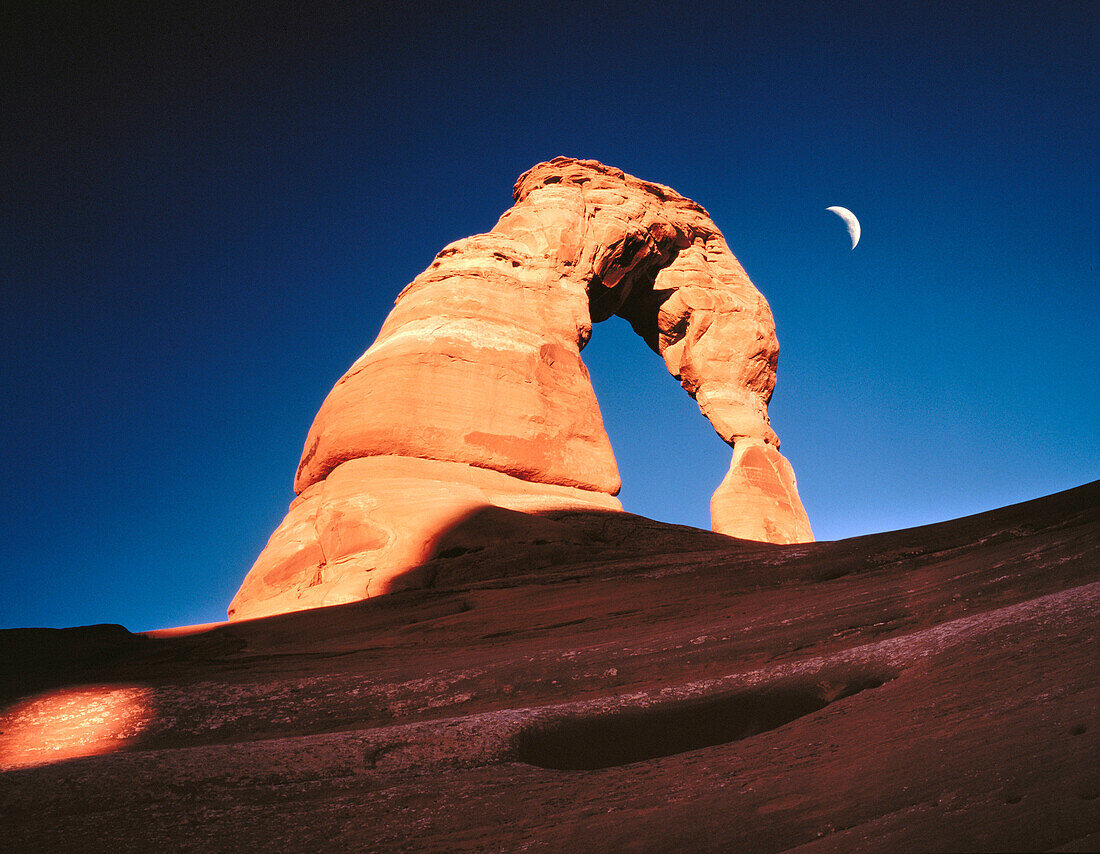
651, 689
474, 392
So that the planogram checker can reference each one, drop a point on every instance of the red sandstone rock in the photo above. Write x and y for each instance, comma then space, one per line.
370, 526
758, 499
478, 367
933, 689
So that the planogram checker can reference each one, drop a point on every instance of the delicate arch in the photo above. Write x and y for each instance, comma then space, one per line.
474, 392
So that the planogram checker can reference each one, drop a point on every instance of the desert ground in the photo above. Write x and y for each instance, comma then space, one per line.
596, 681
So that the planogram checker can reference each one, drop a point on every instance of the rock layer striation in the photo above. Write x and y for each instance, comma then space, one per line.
474, 393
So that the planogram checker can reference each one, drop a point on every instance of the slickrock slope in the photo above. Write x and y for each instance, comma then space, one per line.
474, 393
606, 683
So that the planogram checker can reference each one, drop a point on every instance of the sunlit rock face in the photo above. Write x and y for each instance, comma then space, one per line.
758, 498
474, 392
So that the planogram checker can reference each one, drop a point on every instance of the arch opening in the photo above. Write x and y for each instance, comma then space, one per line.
670, 459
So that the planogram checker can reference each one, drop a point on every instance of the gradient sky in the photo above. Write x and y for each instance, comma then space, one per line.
207, 216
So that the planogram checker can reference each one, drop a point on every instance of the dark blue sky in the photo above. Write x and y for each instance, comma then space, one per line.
208, 213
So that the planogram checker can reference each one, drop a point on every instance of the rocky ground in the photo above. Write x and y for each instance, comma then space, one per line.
597, 682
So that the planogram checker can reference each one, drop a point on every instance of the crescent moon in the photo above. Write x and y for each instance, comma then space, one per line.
849, 220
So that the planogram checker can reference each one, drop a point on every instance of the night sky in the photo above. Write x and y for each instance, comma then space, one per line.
207, 214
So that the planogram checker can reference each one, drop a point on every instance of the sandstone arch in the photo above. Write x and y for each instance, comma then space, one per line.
474, 392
